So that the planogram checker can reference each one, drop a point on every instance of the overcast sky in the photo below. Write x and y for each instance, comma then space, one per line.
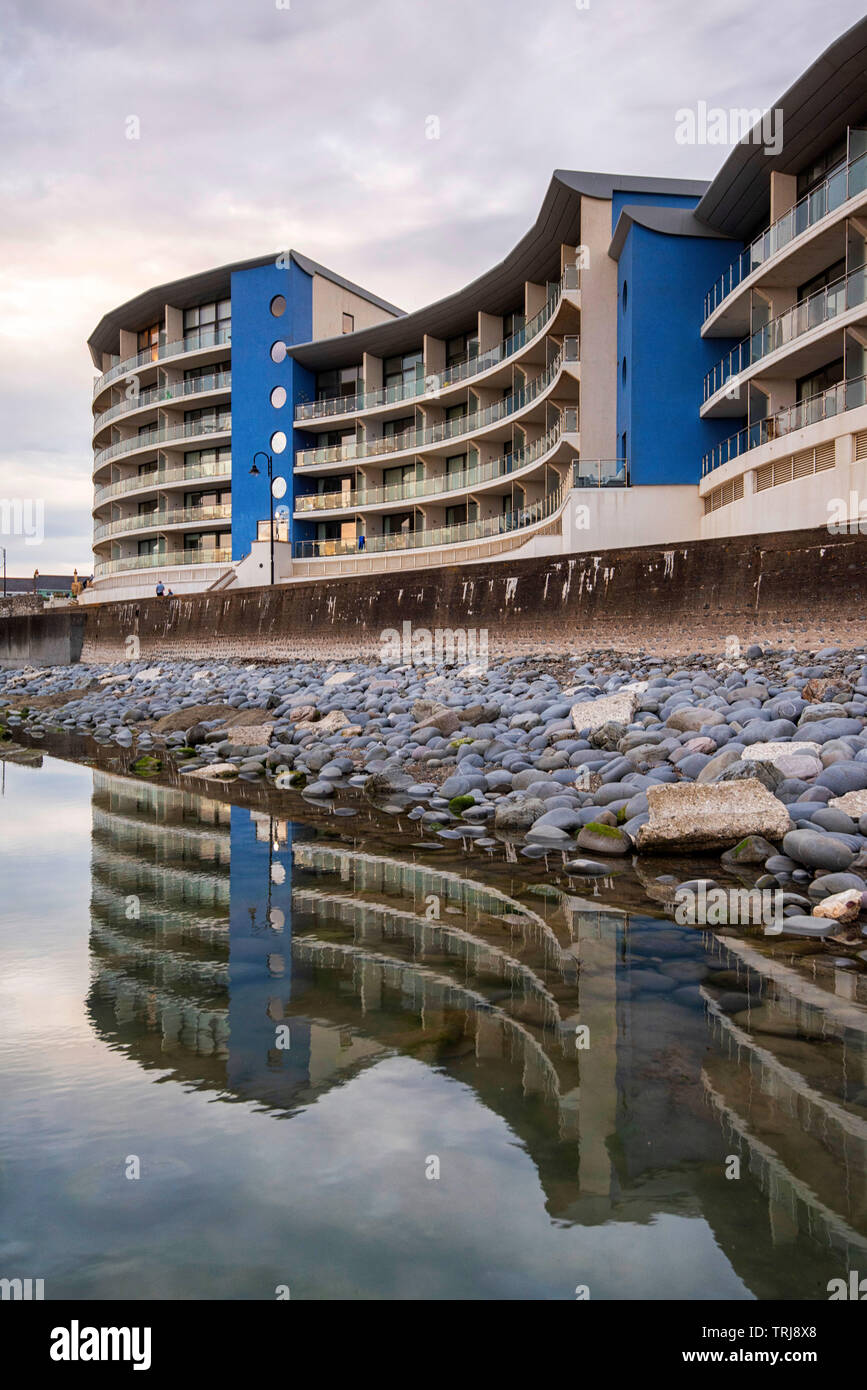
307, 126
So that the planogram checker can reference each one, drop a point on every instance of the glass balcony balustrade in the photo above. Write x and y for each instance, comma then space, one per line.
434, 382
220, 468
162, 435
499, 525
842, 184
820, 308
437, 434
163, 560
155, 520
191, 342
160, 395
846, 395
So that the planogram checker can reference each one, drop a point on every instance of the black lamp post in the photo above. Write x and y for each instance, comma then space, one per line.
254, 472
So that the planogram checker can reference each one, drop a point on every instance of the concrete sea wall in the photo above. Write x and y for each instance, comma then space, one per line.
797, 589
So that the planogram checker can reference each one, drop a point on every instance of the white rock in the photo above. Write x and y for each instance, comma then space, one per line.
151, 674
215, 771
249, 735
341, 677
853, 803
773, 752
592, 714
335, 719
840, 907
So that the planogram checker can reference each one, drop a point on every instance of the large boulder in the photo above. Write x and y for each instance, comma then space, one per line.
691, 816
817, 851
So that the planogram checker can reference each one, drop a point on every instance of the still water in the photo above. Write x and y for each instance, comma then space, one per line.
287, 1034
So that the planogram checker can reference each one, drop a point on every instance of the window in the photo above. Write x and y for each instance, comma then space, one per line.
145, 468
151, 546
456, 465
147, 508
461, 349
200, 373
403, 371
512, 324
457, 515
392, 429
400, 523
215, 417
811, 385
819, 282
349, 323
208, 318
209, 460
148, 341
278, 305
820, 168
345, 381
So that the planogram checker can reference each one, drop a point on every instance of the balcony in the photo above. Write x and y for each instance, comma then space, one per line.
165, 435
844, 183
147, 482
847, 395
155, 521
448, 431
430, 537
434, 383
191, 342
166, 560
432, 487
600, 473
821, 308
160, 395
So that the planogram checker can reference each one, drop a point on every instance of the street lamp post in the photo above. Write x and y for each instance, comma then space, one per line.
3, 548
254, 472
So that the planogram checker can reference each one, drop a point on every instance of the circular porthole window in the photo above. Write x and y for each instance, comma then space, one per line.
278, 397
278, 305
278, 352
278, 442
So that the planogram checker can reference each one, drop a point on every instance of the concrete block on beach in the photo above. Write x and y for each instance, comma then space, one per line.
690, 815
592, 714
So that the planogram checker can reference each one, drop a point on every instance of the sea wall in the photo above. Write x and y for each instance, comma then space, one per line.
797, 589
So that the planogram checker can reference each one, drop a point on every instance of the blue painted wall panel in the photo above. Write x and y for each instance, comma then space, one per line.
254, 376
659, 336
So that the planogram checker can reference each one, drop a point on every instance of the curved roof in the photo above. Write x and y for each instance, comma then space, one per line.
828, 97
536, 258
148, 307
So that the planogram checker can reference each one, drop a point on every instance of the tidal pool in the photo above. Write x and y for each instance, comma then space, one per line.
243, 1057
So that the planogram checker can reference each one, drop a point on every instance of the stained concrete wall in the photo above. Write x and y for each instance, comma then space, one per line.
798, 589
41, 639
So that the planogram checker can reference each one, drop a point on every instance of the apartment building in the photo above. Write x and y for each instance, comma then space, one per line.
655, 361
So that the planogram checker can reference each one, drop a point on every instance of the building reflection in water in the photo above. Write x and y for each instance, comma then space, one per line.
250, 956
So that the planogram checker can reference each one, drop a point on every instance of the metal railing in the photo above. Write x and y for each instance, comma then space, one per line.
155, 521
841, 185
164, 560
600, 473
191, 342
434, 382
820, 308
443, 483
161, 435
846, 395
446, 430
221, 468
430, 537
216, 381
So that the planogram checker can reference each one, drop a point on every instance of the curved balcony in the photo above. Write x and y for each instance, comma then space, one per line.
158, 521
166, 560
149, 482
163, 395
847, 395
819, 309
164, 435
844, 183
447, 431
430, 537
191, 342
434, 383
471, 478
